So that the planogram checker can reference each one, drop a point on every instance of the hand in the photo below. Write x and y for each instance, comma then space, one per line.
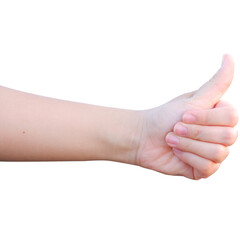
201, 150
202, 142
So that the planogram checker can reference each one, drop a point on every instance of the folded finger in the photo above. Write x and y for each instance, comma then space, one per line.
202, 167
222, 116
214, 134
211, 151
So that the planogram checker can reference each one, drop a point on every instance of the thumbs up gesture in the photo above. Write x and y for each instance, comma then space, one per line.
189, 135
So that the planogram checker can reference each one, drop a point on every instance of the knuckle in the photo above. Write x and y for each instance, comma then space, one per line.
220, 153
195, 132
230, 136
206, 172
209, 169
233, 116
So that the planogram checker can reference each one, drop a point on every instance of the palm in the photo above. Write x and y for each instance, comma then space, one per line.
154, 153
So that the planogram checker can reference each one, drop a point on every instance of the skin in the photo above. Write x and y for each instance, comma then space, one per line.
37, 128
198, 151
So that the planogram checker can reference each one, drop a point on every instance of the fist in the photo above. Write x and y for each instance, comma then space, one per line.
202, 138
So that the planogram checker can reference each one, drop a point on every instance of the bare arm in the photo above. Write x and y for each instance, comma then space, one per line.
187, 136
35, 128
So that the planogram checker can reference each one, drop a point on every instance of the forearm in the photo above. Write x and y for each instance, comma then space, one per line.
35, 128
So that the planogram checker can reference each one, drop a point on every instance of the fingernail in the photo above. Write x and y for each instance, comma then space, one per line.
172, 140
180, 129
189, 118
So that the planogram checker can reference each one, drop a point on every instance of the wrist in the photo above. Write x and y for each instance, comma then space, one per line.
121, 134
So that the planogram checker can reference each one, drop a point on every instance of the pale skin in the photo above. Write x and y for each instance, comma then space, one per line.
37, 128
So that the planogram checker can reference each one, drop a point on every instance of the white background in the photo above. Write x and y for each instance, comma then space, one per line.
127, 54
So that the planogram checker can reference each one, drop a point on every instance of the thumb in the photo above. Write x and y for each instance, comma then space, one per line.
211, 92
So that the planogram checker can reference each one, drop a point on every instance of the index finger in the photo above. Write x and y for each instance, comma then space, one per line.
221, 116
